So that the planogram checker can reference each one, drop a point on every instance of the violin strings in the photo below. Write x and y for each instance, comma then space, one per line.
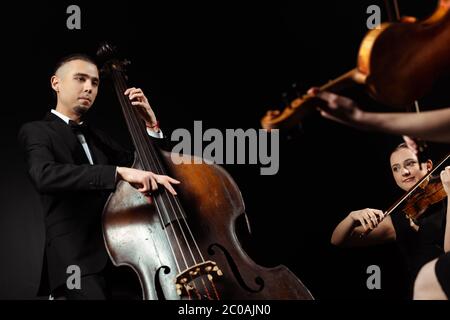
411, 191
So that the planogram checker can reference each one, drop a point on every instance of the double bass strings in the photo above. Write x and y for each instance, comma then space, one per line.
143, 143
132, 127
159, 168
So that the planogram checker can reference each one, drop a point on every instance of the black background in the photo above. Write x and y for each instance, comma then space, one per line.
223, 63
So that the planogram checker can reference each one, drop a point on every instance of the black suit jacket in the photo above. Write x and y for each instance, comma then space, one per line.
73, 192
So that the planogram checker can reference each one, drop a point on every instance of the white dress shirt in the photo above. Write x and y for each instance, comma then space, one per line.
82, 139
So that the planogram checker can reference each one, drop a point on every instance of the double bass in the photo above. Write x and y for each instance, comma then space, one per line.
184, 247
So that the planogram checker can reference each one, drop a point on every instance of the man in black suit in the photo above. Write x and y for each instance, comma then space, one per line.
74, 168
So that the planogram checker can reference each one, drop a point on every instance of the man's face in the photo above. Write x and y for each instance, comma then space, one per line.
76, 84
405, 168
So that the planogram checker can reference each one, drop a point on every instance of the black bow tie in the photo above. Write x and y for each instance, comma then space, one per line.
78, 128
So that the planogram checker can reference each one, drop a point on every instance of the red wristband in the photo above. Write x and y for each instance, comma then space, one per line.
152, 127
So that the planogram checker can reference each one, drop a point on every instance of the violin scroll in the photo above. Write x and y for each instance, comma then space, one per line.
303, 106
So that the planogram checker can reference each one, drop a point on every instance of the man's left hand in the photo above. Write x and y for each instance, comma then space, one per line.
138, 99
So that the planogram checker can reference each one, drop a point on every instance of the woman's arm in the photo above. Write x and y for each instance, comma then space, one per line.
348, 233
428, 125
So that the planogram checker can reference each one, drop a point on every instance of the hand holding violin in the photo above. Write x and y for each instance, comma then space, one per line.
445, 178
368, 218
338, 108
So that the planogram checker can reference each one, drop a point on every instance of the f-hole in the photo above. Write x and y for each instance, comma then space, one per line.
234, 268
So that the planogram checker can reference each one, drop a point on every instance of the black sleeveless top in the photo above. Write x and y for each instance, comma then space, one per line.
426, 244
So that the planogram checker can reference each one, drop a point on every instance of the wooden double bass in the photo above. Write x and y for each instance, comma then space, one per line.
185, 246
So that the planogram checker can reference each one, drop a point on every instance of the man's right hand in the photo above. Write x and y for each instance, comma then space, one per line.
146, 181
368, 218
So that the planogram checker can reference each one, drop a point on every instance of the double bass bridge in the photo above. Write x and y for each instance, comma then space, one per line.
185, 281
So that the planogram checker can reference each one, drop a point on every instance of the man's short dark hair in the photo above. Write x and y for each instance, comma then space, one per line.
71, 57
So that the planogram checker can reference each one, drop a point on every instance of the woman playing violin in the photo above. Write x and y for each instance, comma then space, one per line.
433, 280
420, 241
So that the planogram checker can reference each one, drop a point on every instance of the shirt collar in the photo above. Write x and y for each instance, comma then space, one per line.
63, 117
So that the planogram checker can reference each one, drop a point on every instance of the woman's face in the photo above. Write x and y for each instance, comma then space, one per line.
405, 168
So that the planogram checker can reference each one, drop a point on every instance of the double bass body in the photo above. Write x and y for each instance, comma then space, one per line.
195, 253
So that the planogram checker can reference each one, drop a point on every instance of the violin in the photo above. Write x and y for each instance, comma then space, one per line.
401, 61
397, 64
429, 192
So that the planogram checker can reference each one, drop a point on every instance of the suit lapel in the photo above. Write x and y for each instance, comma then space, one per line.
67, 138
97, 155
